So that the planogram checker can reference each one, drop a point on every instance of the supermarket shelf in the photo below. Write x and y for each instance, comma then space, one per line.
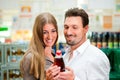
11, 55
2, 53
7, 67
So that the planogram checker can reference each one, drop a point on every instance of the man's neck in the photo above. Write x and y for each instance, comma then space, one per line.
76, 46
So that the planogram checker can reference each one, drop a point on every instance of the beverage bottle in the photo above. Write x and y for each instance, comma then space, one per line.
94, 38
59, 60
104, 40
116, 45
99, 44
110, 40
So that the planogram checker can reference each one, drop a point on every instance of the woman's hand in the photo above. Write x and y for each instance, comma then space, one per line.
48, 53
52, 72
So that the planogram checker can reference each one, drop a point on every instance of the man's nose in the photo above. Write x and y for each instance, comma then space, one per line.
69, 31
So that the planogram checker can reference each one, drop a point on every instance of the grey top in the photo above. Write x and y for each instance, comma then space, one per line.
26, 67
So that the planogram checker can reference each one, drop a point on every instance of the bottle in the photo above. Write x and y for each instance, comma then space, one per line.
94, 38
104, 40
99, 44
119, 39
10, 75
59, 60
116, 45
5, 76
110, 40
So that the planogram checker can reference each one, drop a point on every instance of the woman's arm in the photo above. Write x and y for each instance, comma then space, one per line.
26, 68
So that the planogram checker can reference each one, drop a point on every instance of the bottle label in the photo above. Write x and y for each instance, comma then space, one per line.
115, 44
110, 45
99, 45
104, 44
93, 43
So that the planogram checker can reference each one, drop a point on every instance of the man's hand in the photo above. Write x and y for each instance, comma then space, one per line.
67, 75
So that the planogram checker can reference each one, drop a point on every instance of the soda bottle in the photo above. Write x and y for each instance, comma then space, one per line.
59, 60
116, 45
110, 40
104, 40
94, 38
99, 44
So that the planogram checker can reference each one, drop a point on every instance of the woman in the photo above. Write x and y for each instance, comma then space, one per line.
39, 56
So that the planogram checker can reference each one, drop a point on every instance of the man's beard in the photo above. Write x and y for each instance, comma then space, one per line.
71, 43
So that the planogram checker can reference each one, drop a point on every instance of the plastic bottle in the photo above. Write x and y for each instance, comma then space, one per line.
59, 60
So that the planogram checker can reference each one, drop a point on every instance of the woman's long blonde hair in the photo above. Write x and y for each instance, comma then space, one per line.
36, 47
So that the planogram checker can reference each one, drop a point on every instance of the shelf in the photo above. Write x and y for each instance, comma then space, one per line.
7, 67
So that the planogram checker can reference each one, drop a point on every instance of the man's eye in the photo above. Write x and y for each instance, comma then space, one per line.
66, 27
75, 27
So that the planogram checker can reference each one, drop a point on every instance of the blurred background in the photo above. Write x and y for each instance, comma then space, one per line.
17, 19
17, 16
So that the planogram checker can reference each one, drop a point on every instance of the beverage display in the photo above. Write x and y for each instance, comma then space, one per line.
105, 39
59, 60
12, 56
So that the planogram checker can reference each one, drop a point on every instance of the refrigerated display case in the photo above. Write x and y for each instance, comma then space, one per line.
11, 57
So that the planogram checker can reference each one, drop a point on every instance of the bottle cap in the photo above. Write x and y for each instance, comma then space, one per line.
58, 52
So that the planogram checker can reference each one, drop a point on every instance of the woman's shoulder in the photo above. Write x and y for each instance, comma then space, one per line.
27, 60
28, 56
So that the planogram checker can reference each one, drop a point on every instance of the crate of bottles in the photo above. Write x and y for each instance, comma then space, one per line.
12, 56
14, 52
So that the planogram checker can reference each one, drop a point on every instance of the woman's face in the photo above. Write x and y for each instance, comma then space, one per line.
49, 35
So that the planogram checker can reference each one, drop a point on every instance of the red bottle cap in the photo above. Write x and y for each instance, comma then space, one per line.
58, 52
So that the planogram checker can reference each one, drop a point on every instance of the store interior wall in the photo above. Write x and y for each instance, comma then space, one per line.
21, 22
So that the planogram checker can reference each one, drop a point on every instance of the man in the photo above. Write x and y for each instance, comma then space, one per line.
84, 61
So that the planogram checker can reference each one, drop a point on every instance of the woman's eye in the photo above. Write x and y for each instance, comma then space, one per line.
53, 30
44, 32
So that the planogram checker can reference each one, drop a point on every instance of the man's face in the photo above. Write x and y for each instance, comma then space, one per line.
74, 32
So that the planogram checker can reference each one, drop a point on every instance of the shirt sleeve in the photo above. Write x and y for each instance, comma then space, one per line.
26, 67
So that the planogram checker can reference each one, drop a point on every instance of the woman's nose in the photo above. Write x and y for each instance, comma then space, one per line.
49, 36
